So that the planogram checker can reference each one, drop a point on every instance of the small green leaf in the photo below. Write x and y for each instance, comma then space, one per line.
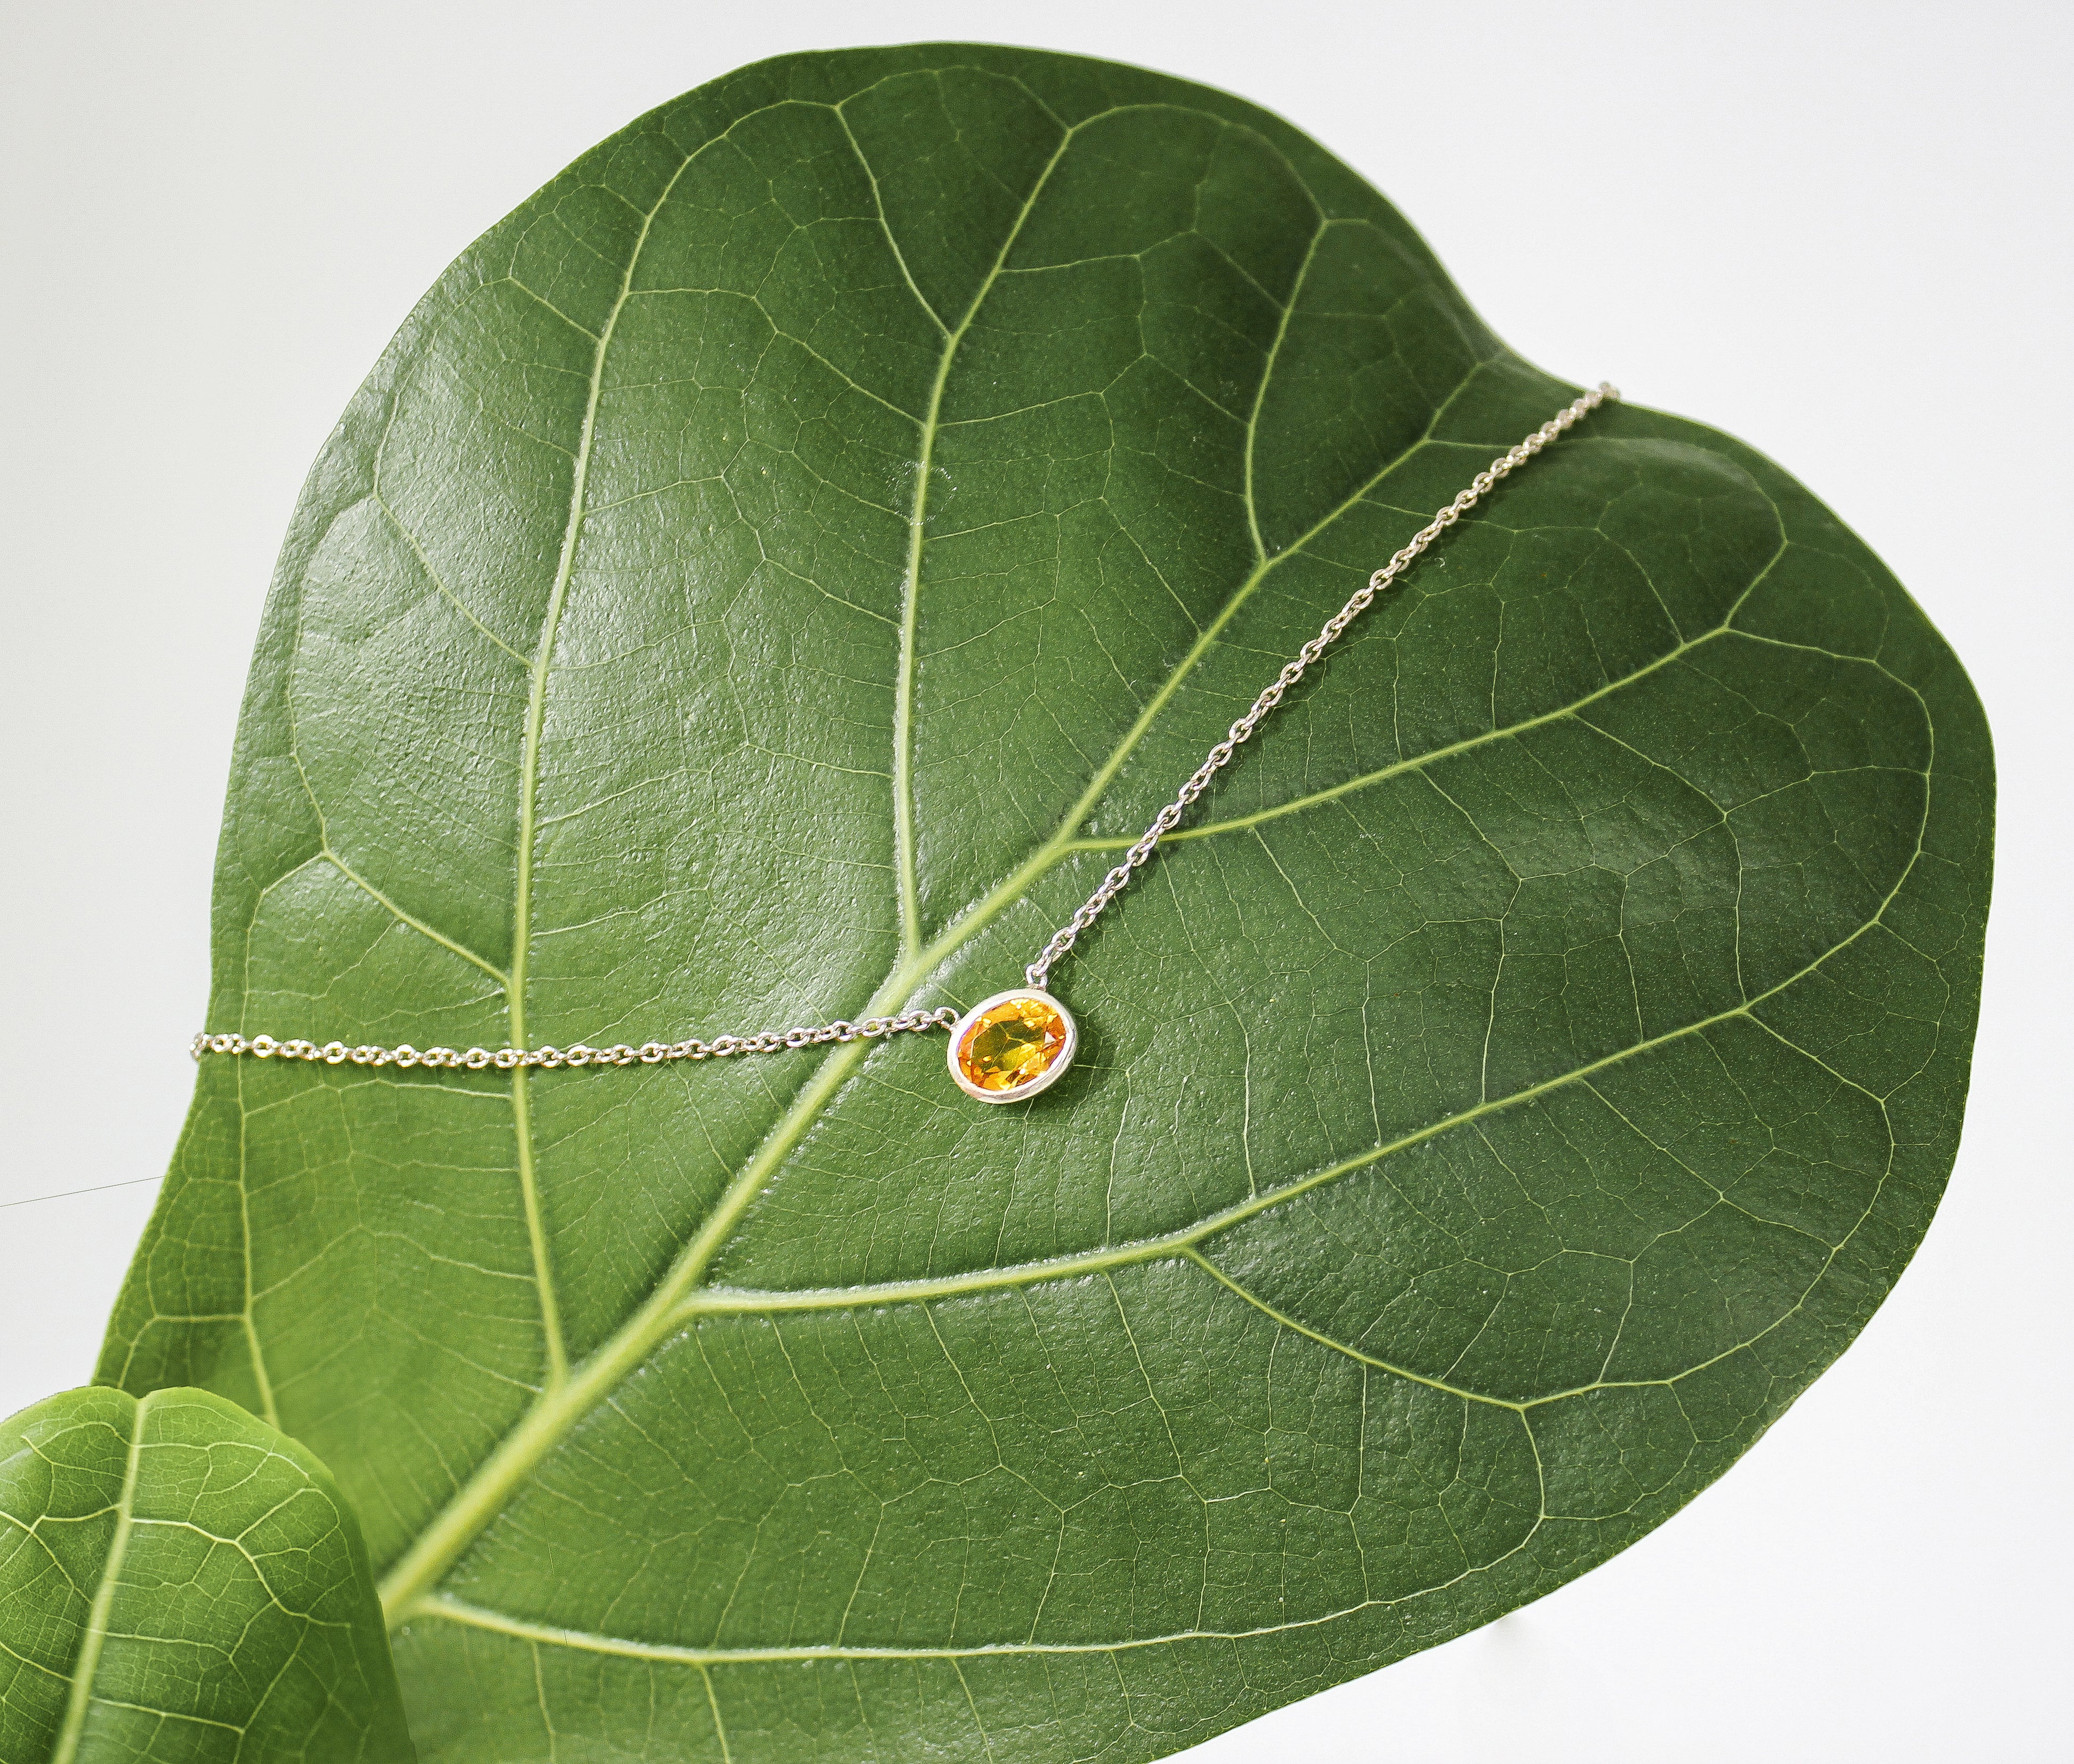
768, 579
177, 1581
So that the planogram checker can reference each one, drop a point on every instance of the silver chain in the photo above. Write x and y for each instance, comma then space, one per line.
337, 1053
1241, 731
652, 1053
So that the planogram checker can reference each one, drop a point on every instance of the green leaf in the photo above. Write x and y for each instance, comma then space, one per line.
177, 1582
768, 579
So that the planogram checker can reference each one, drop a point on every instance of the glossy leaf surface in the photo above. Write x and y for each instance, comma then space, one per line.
767, 580
179, 1582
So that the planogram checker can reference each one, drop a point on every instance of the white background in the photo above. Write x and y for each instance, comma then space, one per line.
1839, 232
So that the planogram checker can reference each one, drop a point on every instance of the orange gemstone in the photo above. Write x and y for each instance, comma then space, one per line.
1014, 1044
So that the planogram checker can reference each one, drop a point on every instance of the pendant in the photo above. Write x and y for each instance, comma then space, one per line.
1013, 1045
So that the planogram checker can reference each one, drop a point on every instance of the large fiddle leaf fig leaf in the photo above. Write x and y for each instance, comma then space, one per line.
179, 1582
768, 579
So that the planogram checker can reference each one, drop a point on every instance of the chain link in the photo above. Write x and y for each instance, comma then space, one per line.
1241, 731
654, 1053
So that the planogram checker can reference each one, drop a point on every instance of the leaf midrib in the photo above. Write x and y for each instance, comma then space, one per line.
80, 1699
401, 1602
571, 1392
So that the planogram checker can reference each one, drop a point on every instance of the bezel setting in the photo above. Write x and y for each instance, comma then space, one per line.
1044, 1079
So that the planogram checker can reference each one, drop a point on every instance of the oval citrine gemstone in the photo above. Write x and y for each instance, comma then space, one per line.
1007, 1046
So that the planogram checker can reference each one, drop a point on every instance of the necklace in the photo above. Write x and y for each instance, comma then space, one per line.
1016, 1043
